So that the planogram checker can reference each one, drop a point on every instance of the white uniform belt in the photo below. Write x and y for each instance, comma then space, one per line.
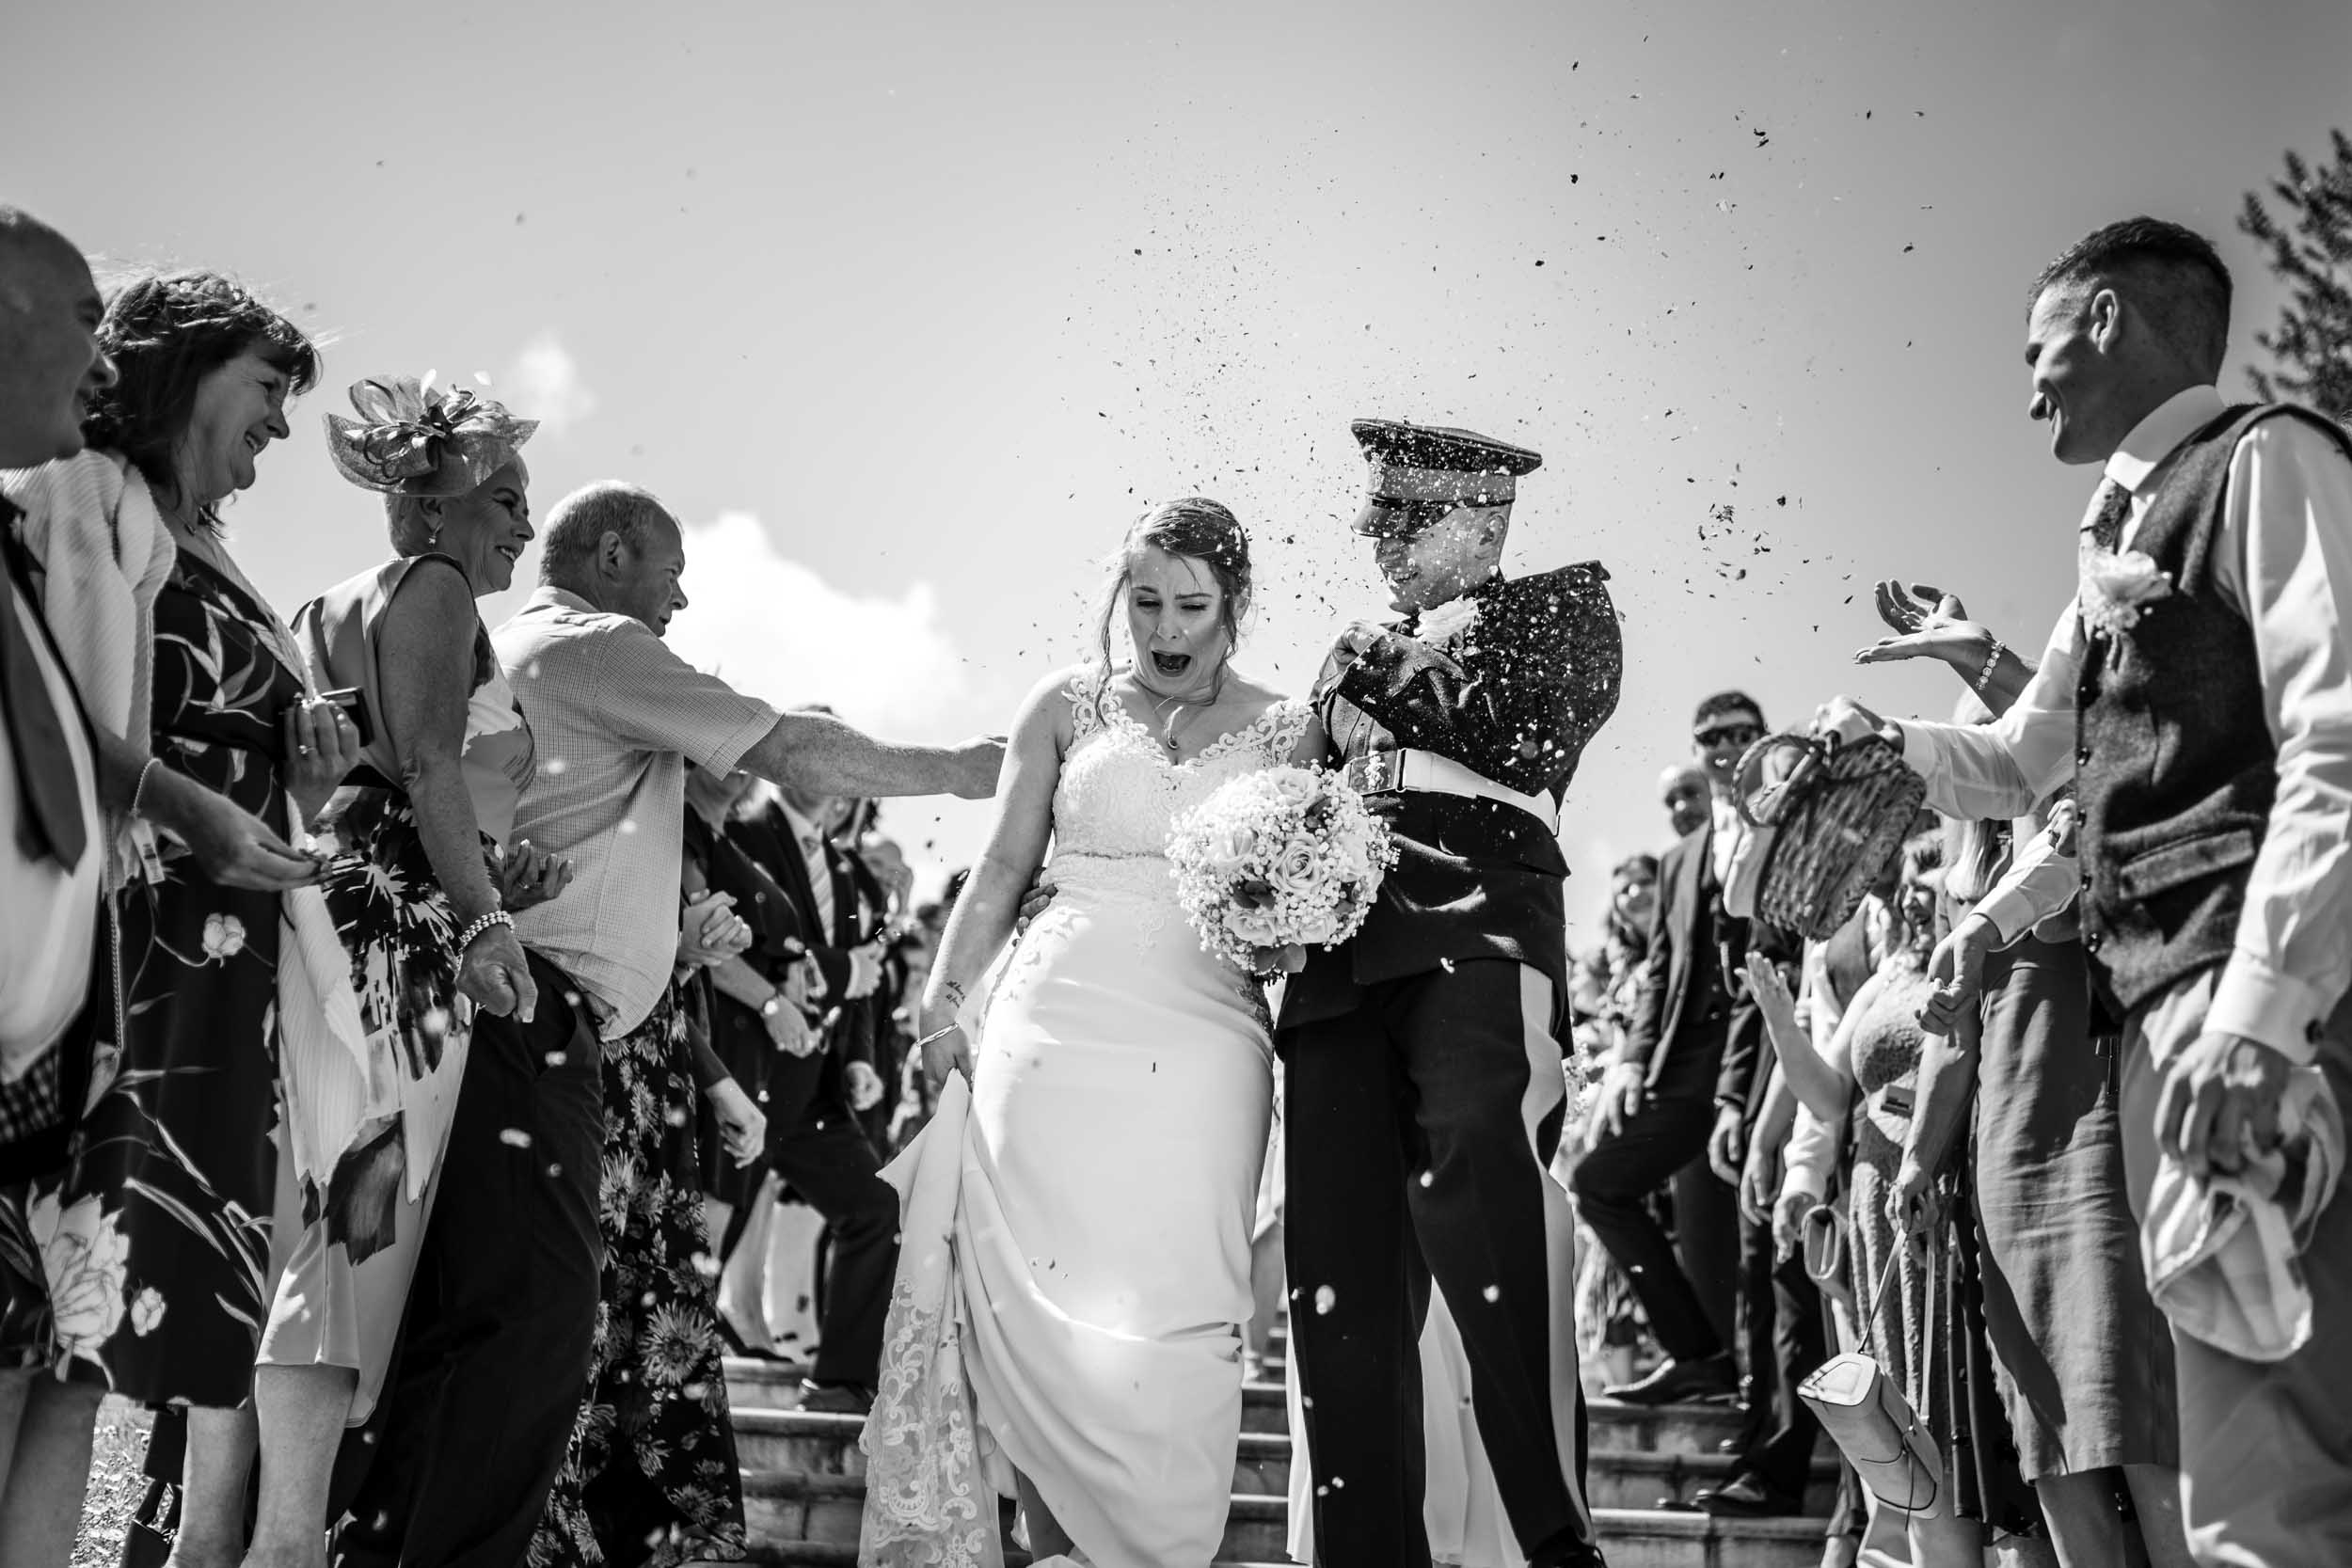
1379, 772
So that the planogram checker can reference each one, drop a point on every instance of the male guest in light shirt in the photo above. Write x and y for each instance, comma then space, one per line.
2199, 693
616, 717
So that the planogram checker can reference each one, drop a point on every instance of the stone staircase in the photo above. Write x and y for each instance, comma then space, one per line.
803, 1483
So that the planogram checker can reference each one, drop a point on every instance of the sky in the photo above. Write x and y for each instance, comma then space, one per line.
908, 311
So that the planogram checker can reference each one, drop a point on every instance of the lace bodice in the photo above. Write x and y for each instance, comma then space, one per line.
1120, 793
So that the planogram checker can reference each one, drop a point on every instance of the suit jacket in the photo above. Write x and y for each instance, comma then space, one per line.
1516, 699
1691, 932
767, 834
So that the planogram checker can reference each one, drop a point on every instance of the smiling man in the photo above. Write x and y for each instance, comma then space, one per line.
2197, 693
1424, 1093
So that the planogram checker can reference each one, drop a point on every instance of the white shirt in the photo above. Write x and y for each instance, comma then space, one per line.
49, 913
2282, 559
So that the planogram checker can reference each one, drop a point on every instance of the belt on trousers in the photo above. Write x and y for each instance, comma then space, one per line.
1379, 772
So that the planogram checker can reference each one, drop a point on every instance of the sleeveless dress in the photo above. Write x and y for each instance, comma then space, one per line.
1107, 1173
345, 1287
1926, 1325
158, 1248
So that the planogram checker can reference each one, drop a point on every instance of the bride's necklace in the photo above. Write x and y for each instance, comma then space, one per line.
1171, 722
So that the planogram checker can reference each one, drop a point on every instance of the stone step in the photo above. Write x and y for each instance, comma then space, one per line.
837, 1554
1696, 1429
819, 1443
813, 1519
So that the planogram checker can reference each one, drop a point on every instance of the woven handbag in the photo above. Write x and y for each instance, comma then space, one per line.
1824, 820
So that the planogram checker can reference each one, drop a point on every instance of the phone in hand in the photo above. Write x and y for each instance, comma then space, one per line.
354, 701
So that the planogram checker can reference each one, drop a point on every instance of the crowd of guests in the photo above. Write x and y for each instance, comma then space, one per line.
413, 1034
401, 1020
2050, 1129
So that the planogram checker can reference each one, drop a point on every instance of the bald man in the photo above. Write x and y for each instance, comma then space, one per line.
1684, 790
50, 857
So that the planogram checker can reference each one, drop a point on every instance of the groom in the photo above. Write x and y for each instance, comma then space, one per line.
1423, 1095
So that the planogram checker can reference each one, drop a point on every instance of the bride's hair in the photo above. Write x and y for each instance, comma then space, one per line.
1197, 529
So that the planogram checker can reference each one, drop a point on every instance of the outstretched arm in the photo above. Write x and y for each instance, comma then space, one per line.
990, 900
815, 753
1821, 1079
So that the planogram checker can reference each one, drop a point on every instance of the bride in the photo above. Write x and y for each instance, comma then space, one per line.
1097, 1206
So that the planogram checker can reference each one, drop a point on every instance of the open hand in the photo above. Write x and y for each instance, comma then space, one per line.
321, 746
1928, 623
1769, 988
2219, 1103
1623, 1088
229, 844
529, 876
1956, 967
743, 1126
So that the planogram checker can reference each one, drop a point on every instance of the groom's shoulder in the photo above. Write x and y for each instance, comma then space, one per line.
1564, 598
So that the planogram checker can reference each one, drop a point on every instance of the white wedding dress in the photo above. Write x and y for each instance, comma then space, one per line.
1073, 1282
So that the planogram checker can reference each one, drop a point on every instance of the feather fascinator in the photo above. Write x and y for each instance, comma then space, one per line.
413, 438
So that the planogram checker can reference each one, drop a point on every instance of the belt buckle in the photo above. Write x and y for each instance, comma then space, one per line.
1377, 774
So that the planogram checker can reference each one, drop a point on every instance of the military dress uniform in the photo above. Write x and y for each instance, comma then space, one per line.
1423, 1095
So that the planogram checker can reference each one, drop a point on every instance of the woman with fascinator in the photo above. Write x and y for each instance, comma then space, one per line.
419, 884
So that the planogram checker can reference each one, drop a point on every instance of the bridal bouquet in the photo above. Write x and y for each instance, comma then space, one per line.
1280, 857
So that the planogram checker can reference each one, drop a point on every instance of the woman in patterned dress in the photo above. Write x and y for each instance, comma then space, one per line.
159, 1248
419, 860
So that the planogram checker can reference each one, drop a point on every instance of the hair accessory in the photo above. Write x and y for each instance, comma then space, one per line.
496, 917
412, 438
1984, 676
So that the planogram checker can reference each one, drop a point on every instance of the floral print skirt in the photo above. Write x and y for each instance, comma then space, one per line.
651, 1476
346, 1285
157, 1248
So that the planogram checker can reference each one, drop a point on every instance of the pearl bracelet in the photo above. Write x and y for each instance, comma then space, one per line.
496, 917
1984, 676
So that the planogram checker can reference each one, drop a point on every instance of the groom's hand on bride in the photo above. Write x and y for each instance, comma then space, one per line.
1033, 902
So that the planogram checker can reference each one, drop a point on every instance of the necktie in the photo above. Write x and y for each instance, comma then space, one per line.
2109, 509
821, 884
51, 823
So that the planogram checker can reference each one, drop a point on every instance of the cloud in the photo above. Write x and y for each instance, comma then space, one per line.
544, 384
776, 629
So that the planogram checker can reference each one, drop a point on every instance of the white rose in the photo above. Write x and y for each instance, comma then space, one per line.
224, 936
84, 1257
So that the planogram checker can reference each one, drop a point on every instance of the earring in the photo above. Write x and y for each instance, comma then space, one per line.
433, 540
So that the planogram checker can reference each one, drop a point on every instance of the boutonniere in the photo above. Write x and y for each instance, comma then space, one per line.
1450, 621
2117, 587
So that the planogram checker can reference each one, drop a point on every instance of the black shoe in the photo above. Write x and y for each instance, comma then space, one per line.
839, 1399
1710, 1377
1744, 1497
1737, 1443
1566, 1551
736, 1345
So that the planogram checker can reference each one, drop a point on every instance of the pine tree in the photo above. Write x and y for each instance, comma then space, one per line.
2311, 253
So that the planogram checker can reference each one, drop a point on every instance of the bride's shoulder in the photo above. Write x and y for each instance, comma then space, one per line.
1256, 695
1070, 700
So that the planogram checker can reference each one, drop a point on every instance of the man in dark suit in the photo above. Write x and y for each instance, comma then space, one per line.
1423, 1092
1658, 1101
1675, 1107
816, 1143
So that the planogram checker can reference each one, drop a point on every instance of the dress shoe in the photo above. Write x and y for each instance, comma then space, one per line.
1744, 1497
1710, 1378
839, 1399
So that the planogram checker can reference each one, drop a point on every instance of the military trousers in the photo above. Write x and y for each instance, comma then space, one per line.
1418, 1130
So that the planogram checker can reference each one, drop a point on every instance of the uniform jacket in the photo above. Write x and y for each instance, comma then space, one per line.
1516, 697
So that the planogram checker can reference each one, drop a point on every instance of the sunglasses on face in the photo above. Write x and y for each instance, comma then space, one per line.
1728, 735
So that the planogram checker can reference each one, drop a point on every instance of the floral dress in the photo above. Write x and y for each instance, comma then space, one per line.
157, 1248
651, 1476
